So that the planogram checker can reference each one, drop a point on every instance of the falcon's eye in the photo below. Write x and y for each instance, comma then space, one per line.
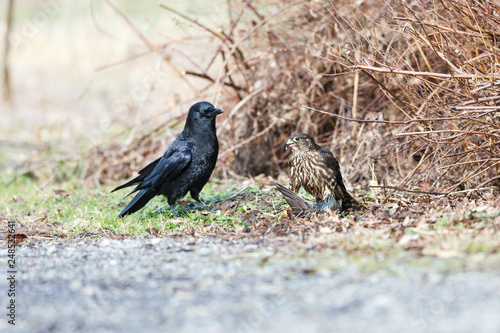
296, 139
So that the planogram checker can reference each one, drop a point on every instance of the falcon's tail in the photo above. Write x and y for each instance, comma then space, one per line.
349, 202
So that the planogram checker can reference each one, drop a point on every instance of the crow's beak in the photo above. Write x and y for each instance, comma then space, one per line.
214, 112
288, 144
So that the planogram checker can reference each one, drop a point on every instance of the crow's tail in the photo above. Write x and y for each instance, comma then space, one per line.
299, 206
134, 181
139, 201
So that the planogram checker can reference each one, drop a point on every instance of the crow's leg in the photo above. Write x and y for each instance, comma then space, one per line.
196, 196
204, 205
173, 210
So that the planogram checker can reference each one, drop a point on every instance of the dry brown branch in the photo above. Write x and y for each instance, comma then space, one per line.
429, 74
407, 190
395, 122
150, 45
250, 139
195, 22
208, 77
6, 73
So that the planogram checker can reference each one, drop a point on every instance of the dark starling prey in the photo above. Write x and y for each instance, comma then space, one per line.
185, 167
316, 170
302, 208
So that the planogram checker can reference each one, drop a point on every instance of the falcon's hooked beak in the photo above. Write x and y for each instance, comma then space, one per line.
289, 143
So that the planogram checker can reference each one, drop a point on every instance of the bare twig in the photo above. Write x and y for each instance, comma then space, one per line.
6, 74
152, 47
250, 139
394, 122
428, 74
407, 190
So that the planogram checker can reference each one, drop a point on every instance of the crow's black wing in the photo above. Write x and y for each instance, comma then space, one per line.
142, 175
170, 165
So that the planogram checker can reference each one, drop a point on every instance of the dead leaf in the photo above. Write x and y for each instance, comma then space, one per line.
122, 236
61, 192
152, 231
18, 238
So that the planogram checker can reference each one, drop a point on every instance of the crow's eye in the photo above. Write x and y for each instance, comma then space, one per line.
202, 112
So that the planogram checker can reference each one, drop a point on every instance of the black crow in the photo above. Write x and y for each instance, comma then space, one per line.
185, 167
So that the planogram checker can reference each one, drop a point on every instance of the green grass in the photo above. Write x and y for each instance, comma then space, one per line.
462, 239
75, 209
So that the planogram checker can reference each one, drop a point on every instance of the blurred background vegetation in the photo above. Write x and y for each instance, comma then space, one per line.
405, 94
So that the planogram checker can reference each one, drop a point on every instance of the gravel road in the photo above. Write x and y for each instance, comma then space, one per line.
211, 285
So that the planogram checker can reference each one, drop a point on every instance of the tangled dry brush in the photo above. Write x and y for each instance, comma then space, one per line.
404, 93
